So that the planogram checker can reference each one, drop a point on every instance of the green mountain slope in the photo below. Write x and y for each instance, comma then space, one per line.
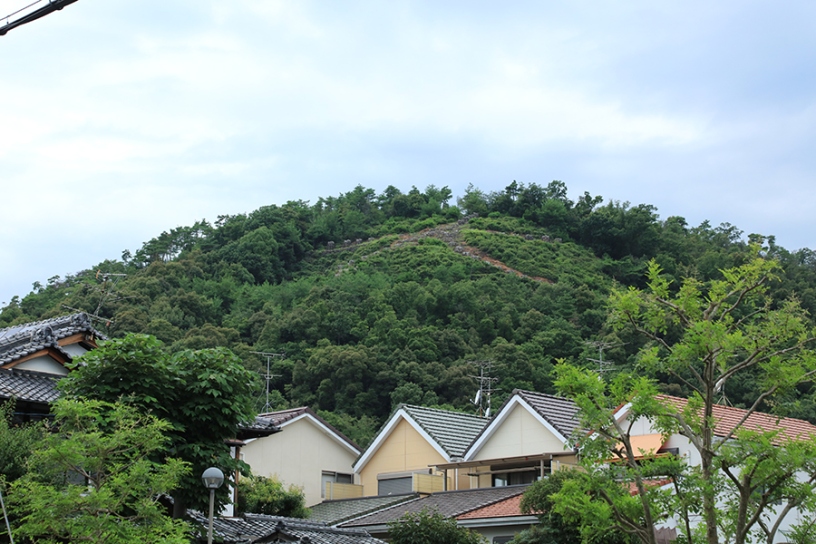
382, 299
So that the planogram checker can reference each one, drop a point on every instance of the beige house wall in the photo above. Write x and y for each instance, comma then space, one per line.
402, 450
298, 455
519, 434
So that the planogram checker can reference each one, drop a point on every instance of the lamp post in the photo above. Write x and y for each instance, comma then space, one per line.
212, 478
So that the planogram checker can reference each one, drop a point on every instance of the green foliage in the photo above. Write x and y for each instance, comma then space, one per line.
704, 335
260, 495
16, 443
202, 394
95, 479
399, 290
430, 528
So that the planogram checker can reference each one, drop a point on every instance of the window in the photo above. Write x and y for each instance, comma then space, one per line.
515, 478
502, 539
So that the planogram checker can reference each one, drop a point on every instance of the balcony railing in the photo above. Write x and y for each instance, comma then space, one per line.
334, 491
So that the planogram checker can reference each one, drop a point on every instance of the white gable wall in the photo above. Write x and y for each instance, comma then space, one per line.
520, 433
44, 364
298, 455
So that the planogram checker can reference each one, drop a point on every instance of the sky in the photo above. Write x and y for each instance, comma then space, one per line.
122, 119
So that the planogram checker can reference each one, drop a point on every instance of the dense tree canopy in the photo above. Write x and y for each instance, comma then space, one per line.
377, 299
203, 395
96, 479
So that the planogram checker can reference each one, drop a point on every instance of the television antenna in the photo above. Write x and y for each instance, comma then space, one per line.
268, 376
486, 389
603, 366
107, 290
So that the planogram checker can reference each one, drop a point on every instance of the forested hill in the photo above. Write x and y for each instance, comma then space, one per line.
389, 298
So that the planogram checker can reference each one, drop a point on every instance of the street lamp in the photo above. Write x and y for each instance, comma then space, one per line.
212, 478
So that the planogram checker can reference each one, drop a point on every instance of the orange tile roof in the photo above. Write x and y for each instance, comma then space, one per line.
727, 418
502, 509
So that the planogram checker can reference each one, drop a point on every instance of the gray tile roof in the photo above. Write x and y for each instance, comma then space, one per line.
336, 512
450, 504
562, 413
453, 431
260, 528
257, 428
21, 340
28, 386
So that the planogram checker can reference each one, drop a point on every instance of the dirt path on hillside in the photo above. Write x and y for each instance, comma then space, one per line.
450, 233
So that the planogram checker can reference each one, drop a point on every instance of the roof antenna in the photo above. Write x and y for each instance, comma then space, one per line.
603, 366
268, 377
486, 389
107, 289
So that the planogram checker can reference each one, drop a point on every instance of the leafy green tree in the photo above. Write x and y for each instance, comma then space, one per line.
553, 527
204, 395
95, 479
430, 528
261, 495
16, 443
704, 336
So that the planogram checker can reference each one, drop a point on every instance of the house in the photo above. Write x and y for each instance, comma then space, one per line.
412, 441
33, 358
493, 512
307, 452
527, 439
257, 528
726, 421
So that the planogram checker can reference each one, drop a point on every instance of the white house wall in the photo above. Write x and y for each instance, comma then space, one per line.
44, 364
519, 434
298, 455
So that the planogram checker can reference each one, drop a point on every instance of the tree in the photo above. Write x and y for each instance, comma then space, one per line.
203, 394
260, 495
95, 481
16, 444
553, 527
704, 337
430, 528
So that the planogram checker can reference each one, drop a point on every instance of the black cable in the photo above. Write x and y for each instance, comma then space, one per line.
52, 6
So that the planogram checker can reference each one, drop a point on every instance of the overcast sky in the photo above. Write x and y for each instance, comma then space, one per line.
120, 119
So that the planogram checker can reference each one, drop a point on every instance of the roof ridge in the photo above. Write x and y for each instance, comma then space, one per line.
440, 410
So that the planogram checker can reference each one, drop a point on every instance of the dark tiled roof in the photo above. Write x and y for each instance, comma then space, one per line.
453, 431
335, 512
22, 340
28, 386
259, 528
560, 412
257, 428
282, 416
450, 504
